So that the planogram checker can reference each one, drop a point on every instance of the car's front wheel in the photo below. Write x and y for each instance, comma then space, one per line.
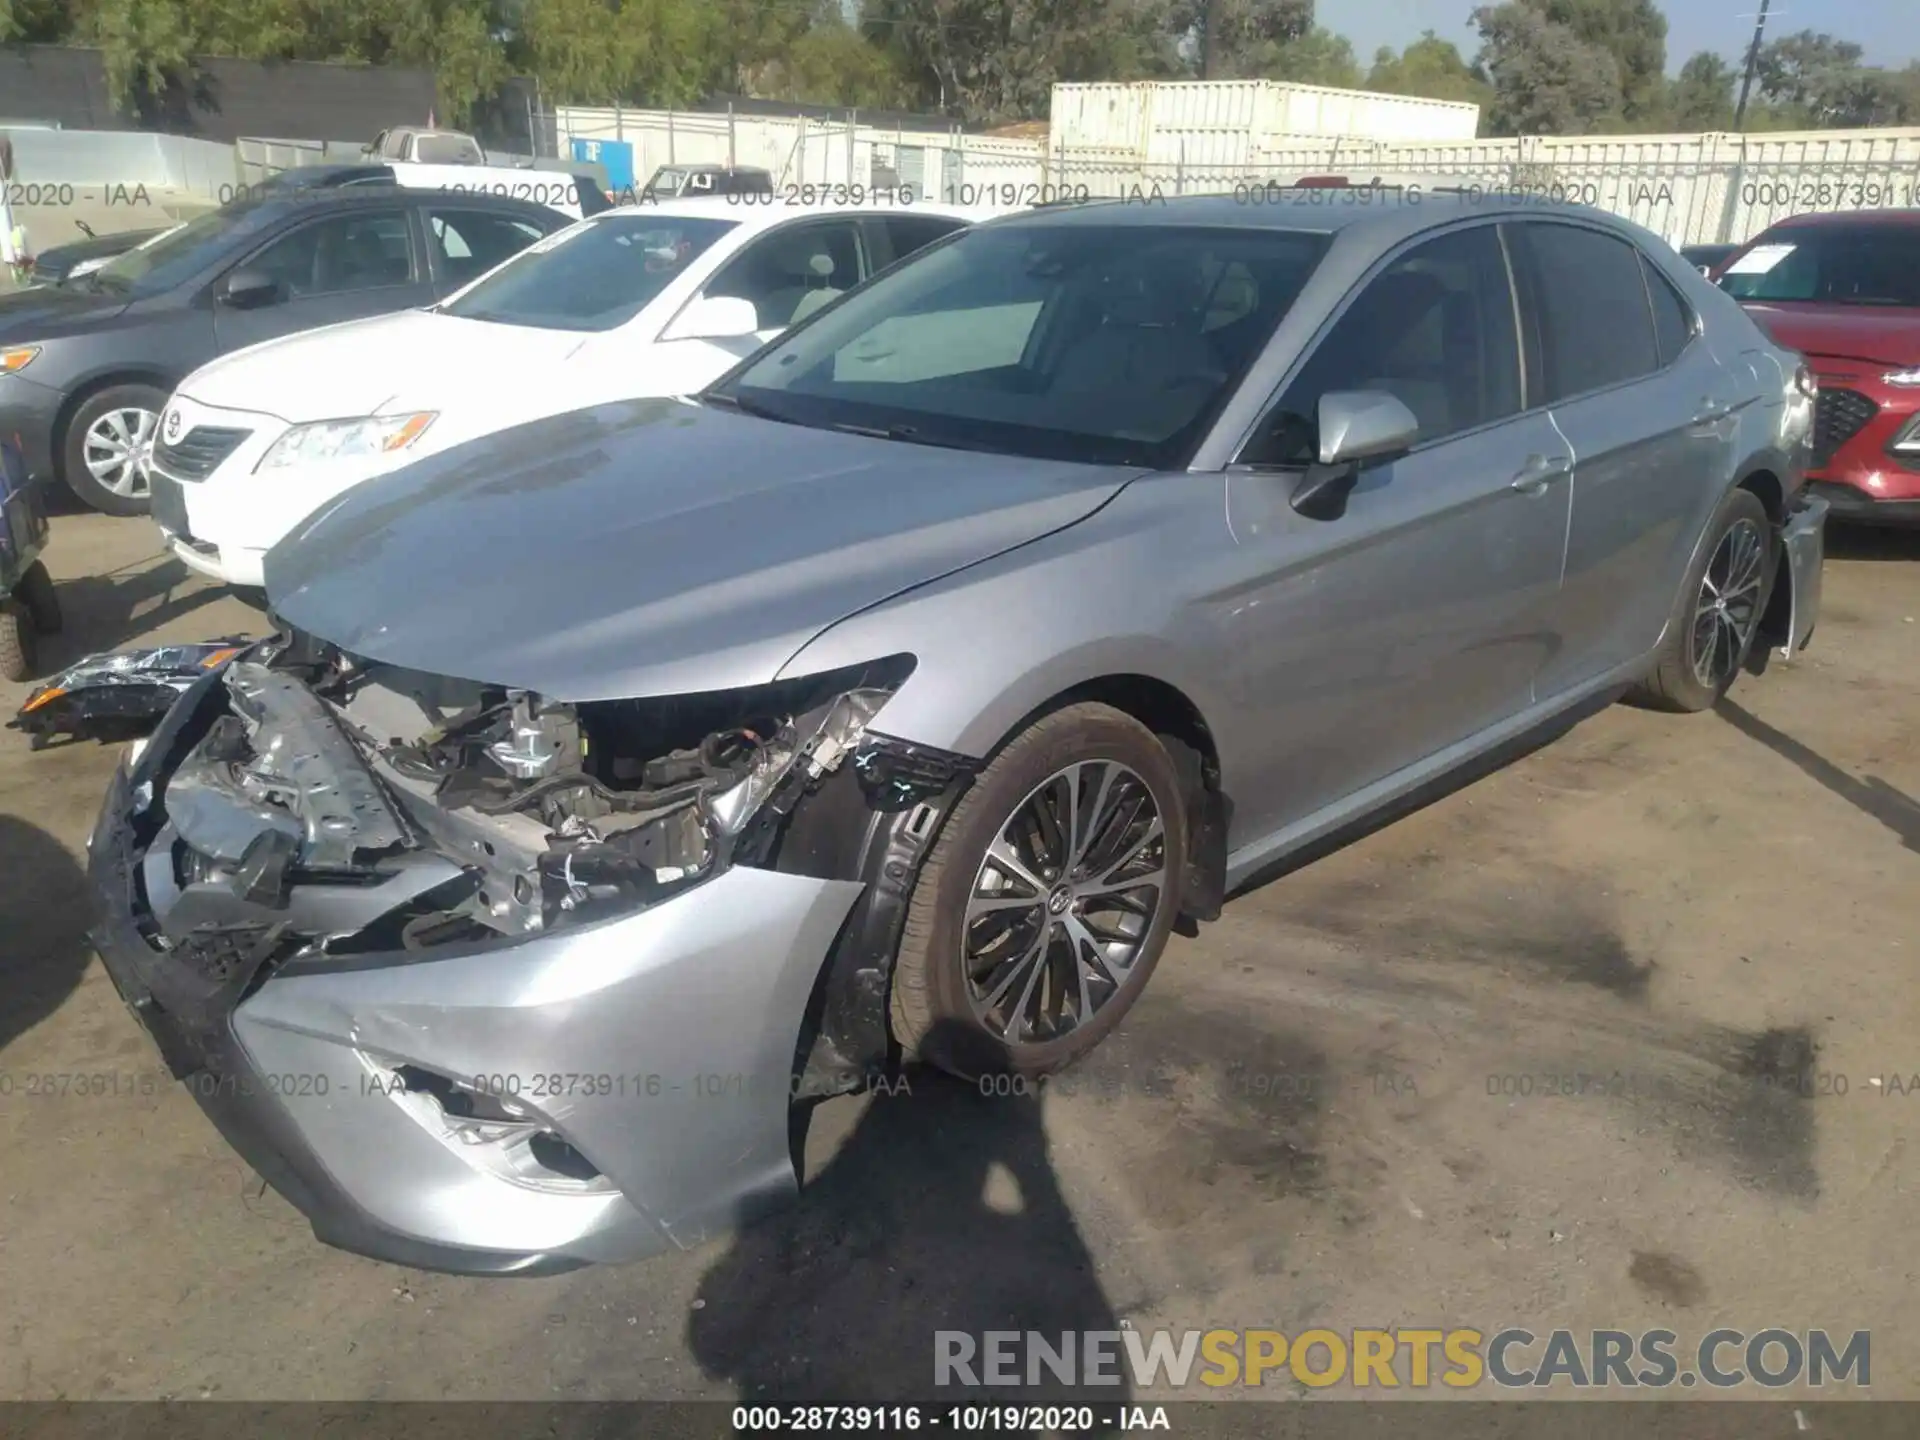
1046, 901
1718, 610
106, 446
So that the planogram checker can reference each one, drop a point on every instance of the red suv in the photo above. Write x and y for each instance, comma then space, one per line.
1844, 290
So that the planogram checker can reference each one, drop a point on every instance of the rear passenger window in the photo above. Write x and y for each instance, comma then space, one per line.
1434, 329
1672, 320
1595, 322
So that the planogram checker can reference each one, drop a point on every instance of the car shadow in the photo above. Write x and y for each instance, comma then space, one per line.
1895, 809
1869, 542
43, 915
104, 612
938, 1212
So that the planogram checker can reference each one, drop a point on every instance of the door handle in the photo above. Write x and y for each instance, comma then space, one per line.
1711, 412
1539, 472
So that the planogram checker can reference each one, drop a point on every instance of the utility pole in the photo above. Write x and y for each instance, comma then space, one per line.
1206, 40
1753, 59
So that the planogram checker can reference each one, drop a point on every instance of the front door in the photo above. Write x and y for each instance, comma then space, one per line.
1420, 616
343, 266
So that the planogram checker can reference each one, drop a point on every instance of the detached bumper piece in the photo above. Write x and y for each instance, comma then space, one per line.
121, 695
1803, 543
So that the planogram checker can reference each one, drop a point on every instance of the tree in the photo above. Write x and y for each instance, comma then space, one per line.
1816, 80
997, 60
1546, 79
1431, 68
1701, 96
1246, 34
833, 64
1634, 33
1318, 57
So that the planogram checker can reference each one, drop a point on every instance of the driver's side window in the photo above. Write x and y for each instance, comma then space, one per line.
1435, 329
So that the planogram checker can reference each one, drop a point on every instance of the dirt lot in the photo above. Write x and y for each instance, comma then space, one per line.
1336, 1107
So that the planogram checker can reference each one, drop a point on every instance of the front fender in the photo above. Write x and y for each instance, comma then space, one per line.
998, 641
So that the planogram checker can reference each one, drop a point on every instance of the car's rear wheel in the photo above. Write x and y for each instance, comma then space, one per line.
1046, 901
36, 592
105, 449
1718, 610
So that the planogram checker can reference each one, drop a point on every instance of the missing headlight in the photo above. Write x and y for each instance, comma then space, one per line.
560, 813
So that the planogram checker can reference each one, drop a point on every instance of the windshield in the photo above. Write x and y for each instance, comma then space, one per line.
667, 181
1831, 265
1111, 344
169, 258
591, 276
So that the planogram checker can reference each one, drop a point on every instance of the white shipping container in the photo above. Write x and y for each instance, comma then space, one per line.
1221, 121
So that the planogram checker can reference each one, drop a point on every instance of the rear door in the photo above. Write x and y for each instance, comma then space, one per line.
336, 266
1647, 413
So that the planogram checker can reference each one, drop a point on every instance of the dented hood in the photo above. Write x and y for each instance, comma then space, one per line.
651, 547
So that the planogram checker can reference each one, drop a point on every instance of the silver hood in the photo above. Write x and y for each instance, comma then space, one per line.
651, 547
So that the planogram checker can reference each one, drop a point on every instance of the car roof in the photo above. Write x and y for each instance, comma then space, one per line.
1822, 219
318, 175
754, 214
308, 199
1382, 216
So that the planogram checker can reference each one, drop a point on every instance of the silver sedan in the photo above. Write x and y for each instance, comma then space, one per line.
620, 778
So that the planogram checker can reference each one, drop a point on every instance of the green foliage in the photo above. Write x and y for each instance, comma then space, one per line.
1431, 68
1701, 96
1247, 34
1544, 66
991, 61
1318, 57
1816, 81
1634, 33
833, 64
1546, 79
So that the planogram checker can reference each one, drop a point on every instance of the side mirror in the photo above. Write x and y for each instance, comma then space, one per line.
1355, 426
248, 289
715, 317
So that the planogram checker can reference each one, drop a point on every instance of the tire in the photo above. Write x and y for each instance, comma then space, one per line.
1676, 683
115, 400
18, 653
935, 1007
36, 592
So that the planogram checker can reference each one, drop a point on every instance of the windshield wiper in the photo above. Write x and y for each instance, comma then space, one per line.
910, 435
750, 407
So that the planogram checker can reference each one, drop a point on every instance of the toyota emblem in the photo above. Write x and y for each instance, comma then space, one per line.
173, 425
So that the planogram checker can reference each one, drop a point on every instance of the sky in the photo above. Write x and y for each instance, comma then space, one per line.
1885, 28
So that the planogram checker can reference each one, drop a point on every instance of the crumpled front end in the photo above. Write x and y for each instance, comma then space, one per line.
486, 984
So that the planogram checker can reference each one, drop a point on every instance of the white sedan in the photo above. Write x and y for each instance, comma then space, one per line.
648, 300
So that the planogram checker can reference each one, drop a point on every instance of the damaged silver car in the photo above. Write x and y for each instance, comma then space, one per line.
618, 780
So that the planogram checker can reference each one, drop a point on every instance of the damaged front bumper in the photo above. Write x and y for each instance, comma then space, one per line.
599, 1091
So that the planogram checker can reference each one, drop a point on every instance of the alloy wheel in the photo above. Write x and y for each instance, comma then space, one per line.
1064, 901
1728, 606
115, 450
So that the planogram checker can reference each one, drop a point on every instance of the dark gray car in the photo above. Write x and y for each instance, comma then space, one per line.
625, 774
86, 368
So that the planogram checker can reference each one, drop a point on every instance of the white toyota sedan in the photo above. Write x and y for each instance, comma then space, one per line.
647, 300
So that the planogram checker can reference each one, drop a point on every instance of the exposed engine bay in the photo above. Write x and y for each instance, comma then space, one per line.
333, 806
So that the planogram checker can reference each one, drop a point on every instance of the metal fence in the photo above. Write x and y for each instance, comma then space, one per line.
1689, 189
